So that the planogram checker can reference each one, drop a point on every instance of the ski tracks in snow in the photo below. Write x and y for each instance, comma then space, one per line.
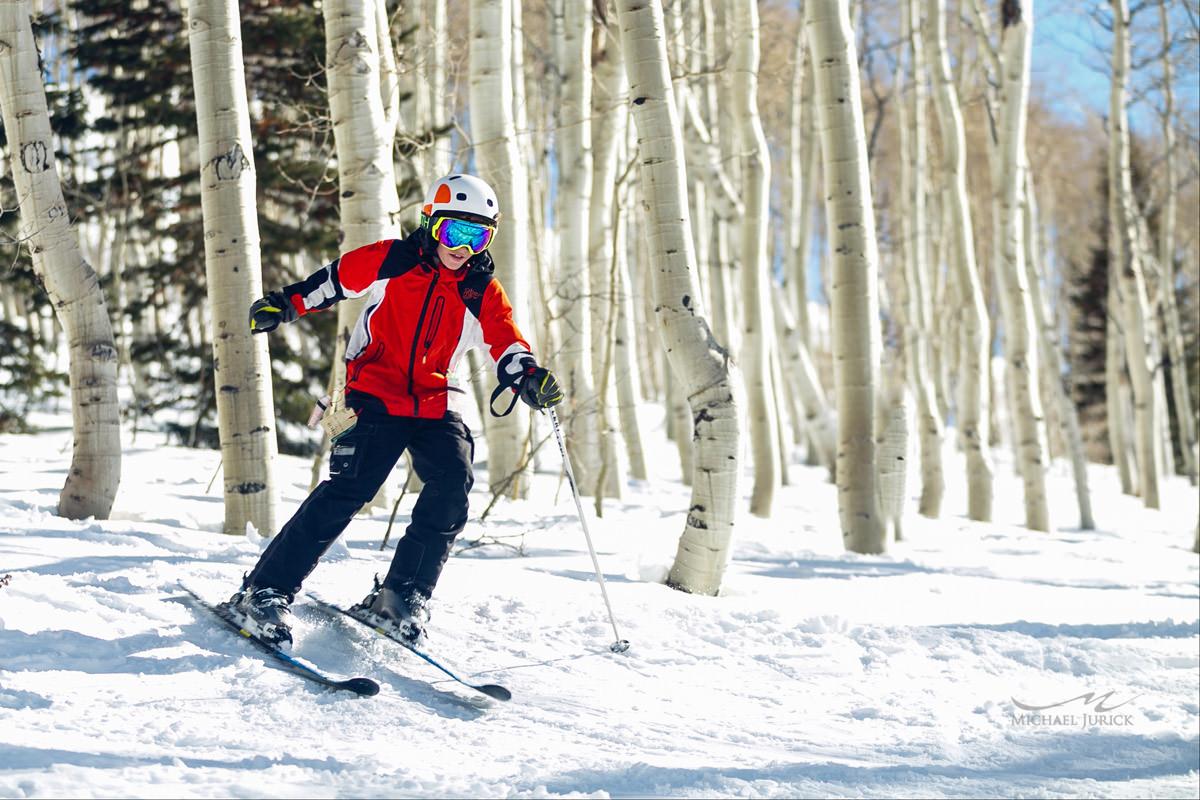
815, 673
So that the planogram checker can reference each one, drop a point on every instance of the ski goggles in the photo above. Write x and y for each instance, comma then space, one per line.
456, 233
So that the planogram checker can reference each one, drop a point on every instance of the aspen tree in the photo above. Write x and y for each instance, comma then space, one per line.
535, 171
1127, 264
610, 115
370, 206
1052, 358
973, 376
801, 151
756, 279
437, 52
245, 407
501, 165
1116, 385
805, 383
625, 344
916, 271
701, 364
574, 138
72, 285
1184, 410
1021, 357
719, 102
892, 426
850, 226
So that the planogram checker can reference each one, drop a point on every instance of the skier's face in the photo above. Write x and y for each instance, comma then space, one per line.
452, 259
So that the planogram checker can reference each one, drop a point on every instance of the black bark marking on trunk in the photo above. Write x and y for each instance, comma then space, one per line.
1010, 13
228, 166
35, 157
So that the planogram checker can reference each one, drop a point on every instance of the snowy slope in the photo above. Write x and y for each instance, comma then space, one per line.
815, 673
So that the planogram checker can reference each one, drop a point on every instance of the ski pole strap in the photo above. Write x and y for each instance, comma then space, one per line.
511, 405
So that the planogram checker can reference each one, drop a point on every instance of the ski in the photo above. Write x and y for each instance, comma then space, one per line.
492, 690
363, 687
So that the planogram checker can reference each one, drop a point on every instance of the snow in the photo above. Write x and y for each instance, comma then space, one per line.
815, 673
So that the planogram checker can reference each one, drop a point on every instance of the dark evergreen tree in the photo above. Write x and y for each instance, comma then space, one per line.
1087, 289
136, 59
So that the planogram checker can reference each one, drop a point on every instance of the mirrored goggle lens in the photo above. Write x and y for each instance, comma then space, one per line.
455, 233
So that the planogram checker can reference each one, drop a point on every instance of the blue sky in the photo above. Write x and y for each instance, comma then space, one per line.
1071, 52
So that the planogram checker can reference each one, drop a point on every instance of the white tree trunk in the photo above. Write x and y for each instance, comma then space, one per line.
436, 52
72, 285
756, 325
611, 117
720, 102
892, 426
571, 279
1029, 424
1116, 390
1127, 264
1052, 358
370, 207
1184, 410
245, 407
805, 383
973, 376
850, 227
368, 201
694, 355
916, 274
501, 165
800, 148
626, 367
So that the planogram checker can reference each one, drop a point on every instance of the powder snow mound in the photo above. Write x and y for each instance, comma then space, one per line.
813, 673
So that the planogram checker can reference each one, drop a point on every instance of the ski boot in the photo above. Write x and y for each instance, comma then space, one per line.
264, 612
401, 612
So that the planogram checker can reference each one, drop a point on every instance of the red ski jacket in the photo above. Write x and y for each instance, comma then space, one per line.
419, 320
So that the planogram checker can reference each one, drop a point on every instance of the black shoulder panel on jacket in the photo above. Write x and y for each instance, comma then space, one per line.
404, 254
472, 288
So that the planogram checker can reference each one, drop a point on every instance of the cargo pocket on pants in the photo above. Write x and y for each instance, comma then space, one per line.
347, 453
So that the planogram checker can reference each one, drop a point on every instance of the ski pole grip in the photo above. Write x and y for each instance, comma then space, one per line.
495, 394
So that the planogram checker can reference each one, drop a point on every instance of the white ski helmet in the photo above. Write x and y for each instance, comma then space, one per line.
462, 196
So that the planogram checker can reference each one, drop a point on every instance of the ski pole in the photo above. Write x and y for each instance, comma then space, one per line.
620, 645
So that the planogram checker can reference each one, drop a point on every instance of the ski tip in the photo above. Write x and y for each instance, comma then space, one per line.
495, 691
619, 646
364, 687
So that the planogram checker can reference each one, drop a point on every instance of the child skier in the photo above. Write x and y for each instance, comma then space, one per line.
431, 297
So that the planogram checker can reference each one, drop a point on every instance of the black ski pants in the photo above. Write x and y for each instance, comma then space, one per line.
442, 453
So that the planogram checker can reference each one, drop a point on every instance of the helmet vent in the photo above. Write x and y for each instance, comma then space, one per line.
462, 195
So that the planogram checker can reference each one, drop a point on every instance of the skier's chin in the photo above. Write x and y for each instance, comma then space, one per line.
452, 259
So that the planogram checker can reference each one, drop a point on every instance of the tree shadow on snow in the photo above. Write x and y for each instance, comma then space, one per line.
77, 652
831, 568
1166, 629
581, 575
1067, 756
16, 757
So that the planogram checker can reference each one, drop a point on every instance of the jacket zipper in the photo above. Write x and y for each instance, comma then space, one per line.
416, 341
434, 322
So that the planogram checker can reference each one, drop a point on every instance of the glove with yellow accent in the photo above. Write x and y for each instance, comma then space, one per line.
538, 387
266, 313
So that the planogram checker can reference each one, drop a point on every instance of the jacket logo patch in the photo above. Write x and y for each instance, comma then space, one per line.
471, 294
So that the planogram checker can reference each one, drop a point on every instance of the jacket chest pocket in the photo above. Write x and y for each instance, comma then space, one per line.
435, 321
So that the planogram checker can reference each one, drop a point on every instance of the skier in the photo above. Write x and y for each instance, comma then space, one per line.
431, 297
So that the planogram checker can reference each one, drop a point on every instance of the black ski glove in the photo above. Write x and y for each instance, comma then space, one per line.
266, 313
538, 387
